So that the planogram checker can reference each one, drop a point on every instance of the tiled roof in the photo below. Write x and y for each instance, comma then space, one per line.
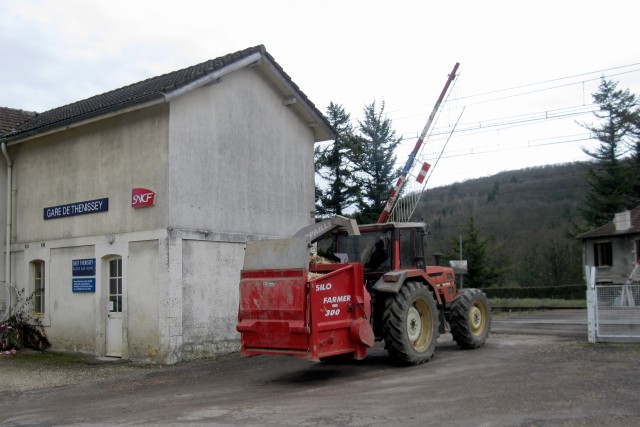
609, 229
138, 93
11, 118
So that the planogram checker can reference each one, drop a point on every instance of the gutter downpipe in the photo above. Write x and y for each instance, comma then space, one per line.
7, 262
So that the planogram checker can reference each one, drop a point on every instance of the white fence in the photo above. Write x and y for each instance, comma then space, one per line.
613, 311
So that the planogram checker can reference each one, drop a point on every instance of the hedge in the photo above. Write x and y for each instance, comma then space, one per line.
557, 292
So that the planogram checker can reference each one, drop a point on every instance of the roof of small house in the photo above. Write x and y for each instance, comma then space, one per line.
10, 119
609, 229
168, 86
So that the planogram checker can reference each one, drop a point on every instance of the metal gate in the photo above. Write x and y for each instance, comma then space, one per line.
613, 311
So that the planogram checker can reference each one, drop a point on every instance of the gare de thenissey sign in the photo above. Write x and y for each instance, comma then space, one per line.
77, 208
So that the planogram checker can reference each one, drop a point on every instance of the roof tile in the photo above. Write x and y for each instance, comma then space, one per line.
10, 119
609, 229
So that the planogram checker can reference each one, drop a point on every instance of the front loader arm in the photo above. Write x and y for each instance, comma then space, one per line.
316, 231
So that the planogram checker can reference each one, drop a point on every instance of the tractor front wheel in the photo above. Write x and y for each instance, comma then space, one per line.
410, 324
470, 318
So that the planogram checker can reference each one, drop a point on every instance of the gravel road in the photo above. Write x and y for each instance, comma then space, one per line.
538, 375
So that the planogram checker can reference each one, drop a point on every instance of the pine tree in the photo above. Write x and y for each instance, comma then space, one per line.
333, 164
375, 162
482, 270
610, 178
634, 161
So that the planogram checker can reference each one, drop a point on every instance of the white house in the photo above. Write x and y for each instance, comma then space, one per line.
127, 213
613, 248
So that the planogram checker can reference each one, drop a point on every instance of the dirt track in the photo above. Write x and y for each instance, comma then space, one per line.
548, 377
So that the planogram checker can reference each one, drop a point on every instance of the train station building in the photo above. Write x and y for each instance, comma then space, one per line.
127, 213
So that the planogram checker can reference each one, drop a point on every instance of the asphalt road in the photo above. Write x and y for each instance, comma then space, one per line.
535, 370
562, 323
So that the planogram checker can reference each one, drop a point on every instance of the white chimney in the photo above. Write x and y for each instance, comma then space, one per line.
622, 221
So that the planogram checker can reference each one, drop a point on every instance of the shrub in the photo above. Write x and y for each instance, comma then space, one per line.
577, 292
21, 329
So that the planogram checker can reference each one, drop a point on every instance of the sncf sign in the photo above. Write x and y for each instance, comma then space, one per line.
141, 197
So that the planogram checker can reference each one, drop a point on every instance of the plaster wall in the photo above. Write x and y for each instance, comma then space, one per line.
72, 313
76, 321
143, 301
102, 159
211, 274
18, 272
3, 218
624, 256
240, 161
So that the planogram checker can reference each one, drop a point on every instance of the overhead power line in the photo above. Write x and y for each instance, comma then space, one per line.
577, 110
600, 73
560, 79
508, 122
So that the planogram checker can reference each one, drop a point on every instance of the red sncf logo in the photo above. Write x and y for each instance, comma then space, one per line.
141, 197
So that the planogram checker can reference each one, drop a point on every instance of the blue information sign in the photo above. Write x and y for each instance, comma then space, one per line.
84, 285
78, 208
83, 267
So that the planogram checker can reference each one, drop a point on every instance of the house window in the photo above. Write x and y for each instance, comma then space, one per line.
602, 254
115, 285
38, 287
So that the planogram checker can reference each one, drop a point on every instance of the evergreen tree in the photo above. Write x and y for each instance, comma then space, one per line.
375, 162
482, 271
634, 161
610, 178
333, 164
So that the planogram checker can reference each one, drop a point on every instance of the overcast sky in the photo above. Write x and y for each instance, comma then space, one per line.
352, 53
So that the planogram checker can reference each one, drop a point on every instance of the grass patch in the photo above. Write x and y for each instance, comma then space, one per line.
532, 303
50, 358
27, 357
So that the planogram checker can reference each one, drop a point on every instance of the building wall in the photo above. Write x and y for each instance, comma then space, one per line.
624, 256
3, 215
143, 301
102, 159
76, 321
210, 274
240, 161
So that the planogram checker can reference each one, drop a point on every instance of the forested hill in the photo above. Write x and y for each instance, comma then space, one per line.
529, 217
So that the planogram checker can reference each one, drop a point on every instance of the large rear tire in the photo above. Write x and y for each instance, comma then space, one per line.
470, 318
410, 324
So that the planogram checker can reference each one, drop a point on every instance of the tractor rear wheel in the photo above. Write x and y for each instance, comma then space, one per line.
470, 318
410, 324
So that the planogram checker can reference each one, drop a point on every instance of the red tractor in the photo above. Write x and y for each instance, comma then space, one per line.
380, 289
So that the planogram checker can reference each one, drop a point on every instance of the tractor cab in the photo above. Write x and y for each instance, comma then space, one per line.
383, 247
